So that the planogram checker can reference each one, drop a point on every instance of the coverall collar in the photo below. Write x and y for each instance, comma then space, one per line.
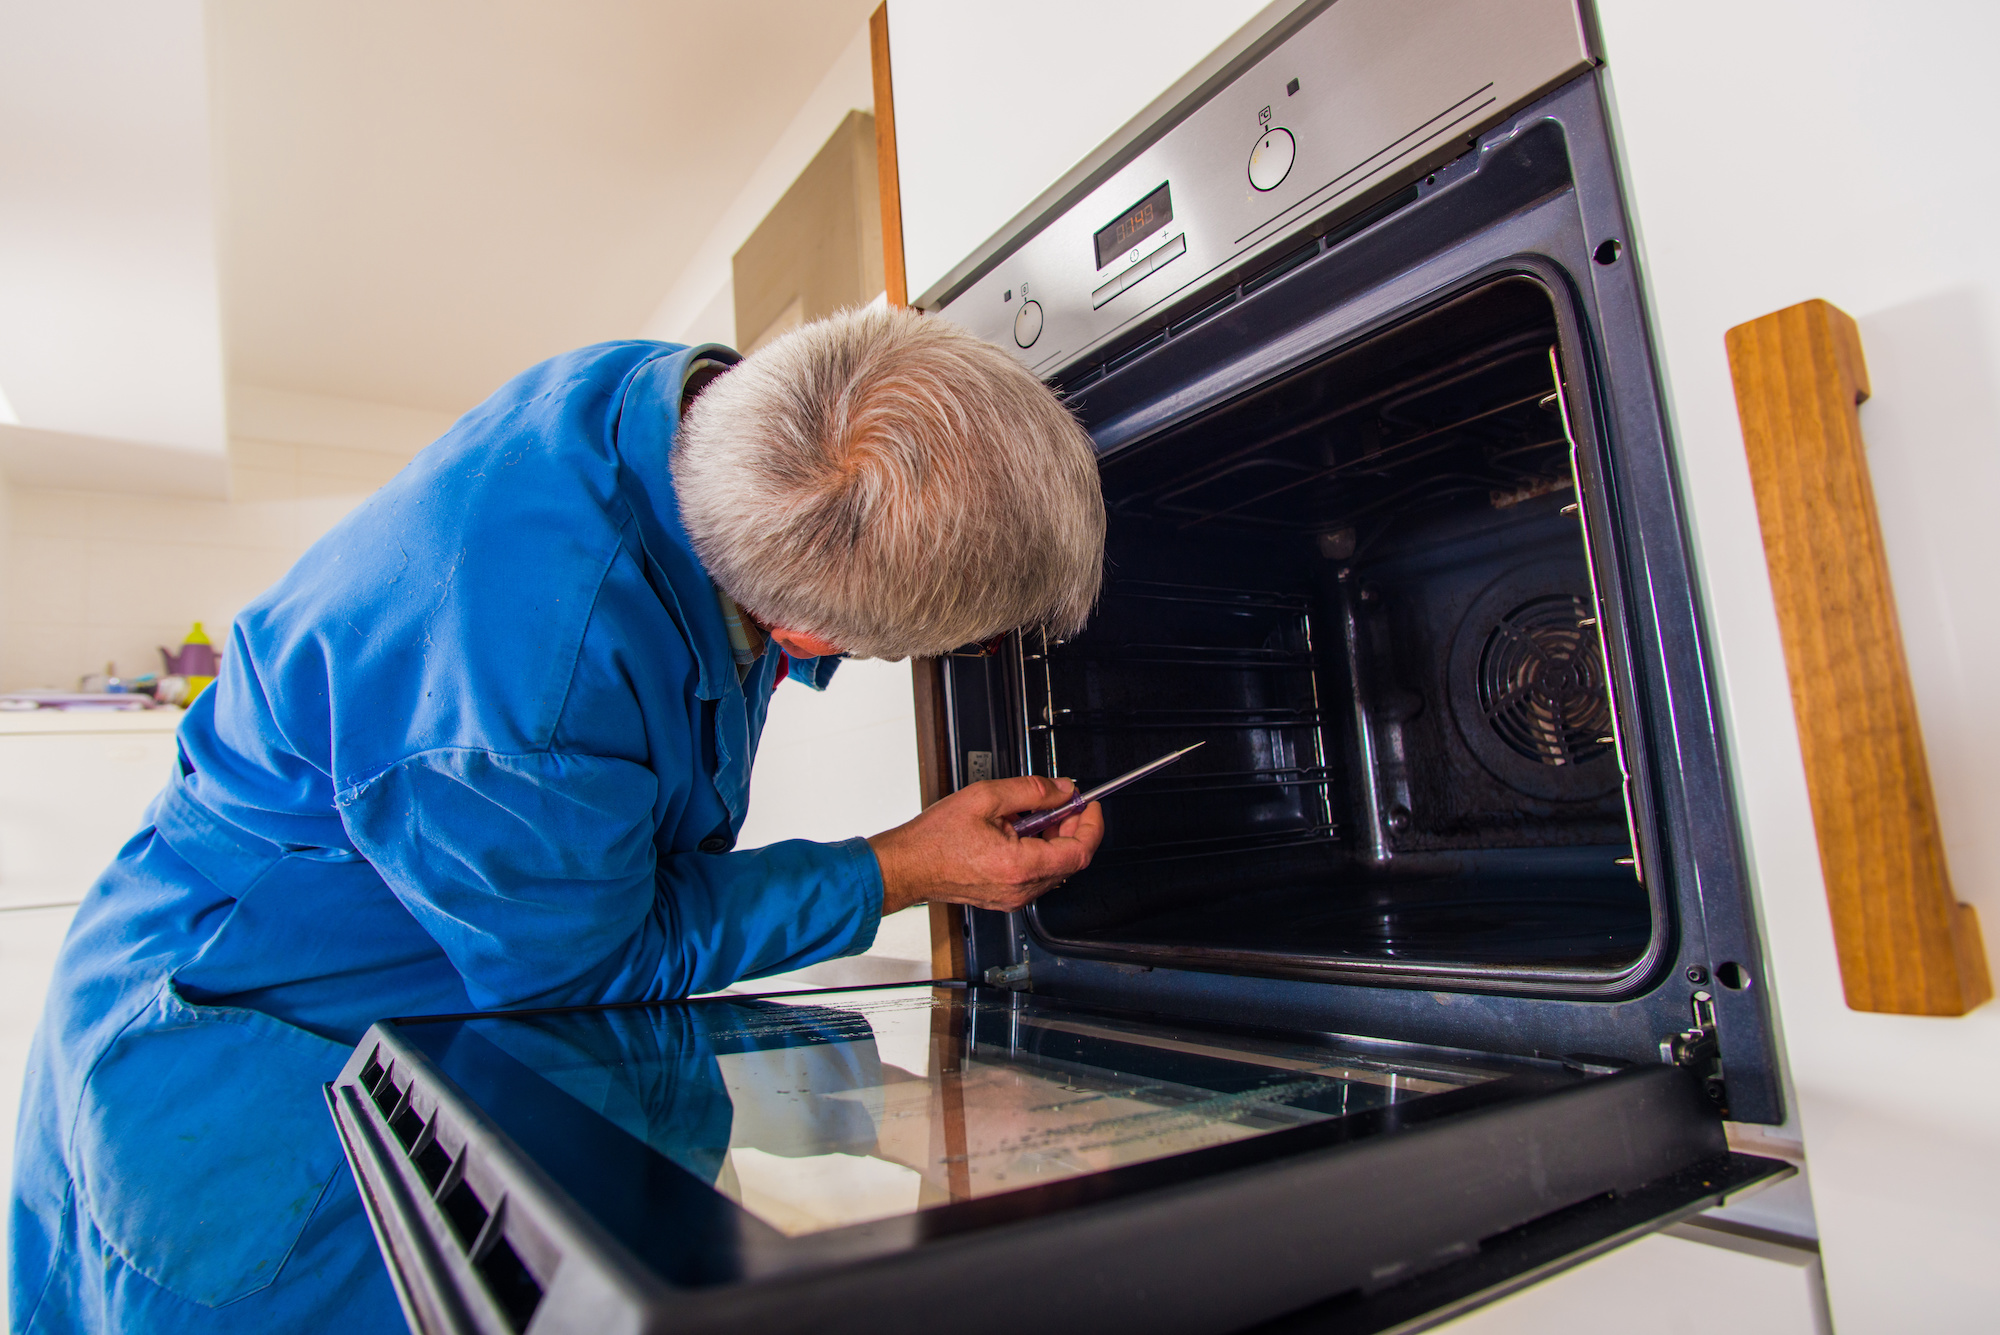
648, 420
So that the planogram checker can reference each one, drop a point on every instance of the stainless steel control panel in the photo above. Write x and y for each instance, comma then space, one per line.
1357, 98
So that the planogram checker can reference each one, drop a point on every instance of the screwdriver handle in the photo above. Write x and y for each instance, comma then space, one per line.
1034, 822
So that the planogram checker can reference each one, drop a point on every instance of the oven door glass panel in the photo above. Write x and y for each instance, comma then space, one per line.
786, 1162
829, 1109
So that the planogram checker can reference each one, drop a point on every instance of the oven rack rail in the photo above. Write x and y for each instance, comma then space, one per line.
1184, 850
1232, 781
1295, 776
1189, 655
1204, 722
1207, 595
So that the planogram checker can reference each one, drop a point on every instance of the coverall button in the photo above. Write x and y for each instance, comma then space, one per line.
715, 843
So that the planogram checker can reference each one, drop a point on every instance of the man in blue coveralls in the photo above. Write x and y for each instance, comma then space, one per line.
488, 745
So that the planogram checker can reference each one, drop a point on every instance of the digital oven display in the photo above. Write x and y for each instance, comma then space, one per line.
1154, 211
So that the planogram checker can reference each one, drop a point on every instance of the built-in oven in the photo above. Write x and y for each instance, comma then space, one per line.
1432, 970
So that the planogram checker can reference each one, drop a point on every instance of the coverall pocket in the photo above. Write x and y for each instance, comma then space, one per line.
202, 1144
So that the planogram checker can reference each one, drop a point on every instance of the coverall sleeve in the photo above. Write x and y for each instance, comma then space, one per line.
537, 875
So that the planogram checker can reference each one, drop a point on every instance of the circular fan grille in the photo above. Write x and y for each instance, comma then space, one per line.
1541, 683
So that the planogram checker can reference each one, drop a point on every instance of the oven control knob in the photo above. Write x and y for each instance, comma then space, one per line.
1271, 160
1028, 323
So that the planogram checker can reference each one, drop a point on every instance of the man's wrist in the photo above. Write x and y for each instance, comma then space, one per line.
897, 892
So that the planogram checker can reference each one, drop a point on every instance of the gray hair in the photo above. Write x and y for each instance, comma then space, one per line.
887, 481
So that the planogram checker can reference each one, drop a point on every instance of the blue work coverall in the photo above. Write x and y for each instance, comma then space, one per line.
485, 746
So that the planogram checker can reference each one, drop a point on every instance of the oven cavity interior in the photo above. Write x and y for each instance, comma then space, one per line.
1367, 587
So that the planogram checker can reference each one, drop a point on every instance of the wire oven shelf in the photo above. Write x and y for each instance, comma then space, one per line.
1178, 662
1499, 429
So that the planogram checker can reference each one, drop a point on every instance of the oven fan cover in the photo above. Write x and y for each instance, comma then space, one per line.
1528, 687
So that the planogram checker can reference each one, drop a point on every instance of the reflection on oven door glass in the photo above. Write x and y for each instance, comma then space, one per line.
836, 1108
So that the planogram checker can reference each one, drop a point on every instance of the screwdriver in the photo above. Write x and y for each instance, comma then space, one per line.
1036, 821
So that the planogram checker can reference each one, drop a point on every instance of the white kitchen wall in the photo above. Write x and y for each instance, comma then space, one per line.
842, 763
6, 567
1777, 150
97, 577
836, 763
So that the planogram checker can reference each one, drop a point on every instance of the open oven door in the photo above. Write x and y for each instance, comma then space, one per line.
884, 1159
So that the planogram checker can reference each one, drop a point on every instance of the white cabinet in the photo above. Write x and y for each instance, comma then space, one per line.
73, 789
29, 939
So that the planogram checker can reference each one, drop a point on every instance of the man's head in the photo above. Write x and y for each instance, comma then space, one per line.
886, 483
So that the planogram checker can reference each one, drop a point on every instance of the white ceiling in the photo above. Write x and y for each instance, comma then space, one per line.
418, 200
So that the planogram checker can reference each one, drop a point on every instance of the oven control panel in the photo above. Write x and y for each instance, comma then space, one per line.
1358, 98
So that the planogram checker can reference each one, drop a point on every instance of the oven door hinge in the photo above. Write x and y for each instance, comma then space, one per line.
1009, 975
1700, 1050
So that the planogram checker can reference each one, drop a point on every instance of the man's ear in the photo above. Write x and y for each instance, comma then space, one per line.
799, 644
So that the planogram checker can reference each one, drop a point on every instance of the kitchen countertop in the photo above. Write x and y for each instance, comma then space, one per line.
37, 722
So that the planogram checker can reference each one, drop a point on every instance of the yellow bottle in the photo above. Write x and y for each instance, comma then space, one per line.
196, 661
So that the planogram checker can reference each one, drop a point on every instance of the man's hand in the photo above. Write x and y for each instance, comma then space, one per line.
962, 850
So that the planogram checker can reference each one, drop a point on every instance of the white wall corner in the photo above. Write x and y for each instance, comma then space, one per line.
716, 322
294, 417
7, 563
67, 461
686, 313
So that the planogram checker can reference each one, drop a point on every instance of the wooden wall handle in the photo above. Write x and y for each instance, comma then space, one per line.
1906, 945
